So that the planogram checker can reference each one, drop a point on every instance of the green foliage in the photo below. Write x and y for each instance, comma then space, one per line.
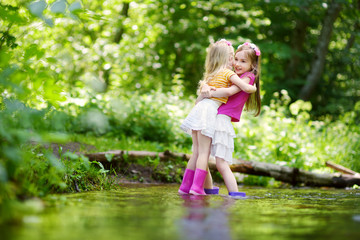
41, 173
27, 170
120, 70
252, 180
153, 117
101, 46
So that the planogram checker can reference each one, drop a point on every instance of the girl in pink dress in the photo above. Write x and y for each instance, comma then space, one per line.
247, 67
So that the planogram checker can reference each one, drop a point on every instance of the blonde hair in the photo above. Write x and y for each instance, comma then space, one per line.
217, 59
254, 101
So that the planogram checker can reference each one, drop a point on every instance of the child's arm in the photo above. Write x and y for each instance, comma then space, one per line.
224, 92
199, 98
243, 83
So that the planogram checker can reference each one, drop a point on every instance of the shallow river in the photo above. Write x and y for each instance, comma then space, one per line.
140, 211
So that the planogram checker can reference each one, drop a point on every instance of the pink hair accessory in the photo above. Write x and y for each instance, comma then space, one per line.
253, 46
226, 41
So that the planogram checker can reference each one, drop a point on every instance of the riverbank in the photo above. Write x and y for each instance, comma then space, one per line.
144, 170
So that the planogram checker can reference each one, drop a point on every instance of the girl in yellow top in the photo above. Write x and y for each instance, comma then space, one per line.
200, 123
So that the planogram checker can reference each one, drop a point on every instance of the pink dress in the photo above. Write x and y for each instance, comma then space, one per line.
223, 141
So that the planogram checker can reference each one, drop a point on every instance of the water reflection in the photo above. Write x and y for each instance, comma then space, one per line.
203, 221
157, 212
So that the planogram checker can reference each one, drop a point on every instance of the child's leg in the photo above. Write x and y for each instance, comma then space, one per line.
208, 180
192, 161
209, 188
201, 165
228, 176
189, 173
204, 144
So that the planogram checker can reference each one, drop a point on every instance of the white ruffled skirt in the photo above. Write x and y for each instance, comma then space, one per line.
202, 118
222, 145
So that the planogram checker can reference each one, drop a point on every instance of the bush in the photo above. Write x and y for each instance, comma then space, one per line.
154, 117
147, 117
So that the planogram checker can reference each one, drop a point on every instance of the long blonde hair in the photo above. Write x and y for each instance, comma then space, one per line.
254, 101
217, 59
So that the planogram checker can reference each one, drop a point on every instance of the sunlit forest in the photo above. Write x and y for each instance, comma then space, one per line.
120, 74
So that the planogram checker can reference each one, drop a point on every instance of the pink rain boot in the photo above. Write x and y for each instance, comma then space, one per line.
197, 187
187, 181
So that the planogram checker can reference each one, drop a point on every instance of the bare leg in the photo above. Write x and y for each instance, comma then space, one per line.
208, 180
192, 161
201, 172
204, 143
189, 173
228, 176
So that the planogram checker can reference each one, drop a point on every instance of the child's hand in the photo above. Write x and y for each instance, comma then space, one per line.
255, 89
206, 91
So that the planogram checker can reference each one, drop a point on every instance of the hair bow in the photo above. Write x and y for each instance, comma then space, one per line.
226, 41
253, 46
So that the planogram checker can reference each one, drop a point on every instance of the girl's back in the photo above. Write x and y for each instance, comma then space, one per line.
221, 80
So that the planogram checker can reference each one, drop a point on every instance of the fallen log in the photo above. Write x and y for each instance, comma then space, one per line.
293, 176
121, 154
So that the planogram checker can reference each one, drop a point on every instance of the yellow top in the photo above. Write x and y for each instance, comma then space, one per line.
221, 80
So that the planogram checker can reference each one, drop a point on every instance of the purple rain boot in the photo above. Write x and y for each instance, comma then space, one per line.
237, 194
187, 181
197, 187
214, 190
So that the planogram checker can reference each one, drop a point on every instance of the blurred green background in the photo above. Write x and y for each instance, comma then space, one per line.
123, 74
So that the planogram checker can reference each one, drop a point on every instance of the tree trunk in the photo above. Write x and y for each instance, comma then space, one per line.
297, 45
285, 174
317, 66
124, 14
355, 32
131, 155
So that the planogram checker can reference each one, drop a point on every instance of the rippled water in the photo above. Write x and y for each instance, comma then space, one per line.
139, 211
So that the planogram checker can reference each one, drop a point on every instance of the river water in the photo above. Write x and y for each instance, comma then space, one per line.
142, 211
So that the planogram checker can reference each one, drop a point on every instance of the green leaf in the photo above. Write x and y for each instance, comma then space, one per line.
3, 174
51, 60
109, 156
71, 155
85, 161
31, 51
75, 6
49, 22
58, 6
99, 164
37, 7
56, 163
11, 14
54, 137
